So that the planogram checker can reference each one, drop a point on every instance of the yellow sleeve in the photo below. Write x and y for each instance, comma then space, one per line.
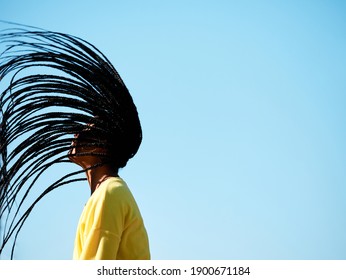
100, 245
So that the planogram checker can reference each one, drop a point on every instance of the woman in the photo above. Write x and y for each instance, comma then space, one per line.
58, 85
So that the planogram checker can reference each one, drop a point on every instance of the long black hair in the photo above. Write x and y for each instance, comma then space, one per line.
55, 85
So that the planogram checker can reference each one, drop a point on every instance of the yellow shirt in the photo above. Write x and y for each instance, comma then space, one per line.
111, 226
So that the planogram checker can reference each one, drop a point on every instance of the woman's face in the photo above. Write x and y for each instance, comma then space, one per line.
82, 152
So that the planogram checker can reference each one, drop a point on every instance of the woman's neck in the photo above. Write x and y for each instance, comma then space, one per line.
99, 174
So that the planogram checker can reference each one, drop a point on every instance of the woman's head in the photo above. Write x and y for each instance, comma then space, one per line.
113, 146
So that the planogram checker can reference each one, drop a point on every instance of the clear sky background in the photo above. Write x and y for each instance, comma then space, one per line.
242, 105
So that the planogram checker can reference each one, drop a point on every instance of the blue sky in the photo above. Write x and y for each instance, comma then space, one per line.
242, 105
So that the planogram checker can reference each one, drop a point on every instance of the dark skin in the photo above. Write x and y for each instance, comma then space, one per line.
96, 175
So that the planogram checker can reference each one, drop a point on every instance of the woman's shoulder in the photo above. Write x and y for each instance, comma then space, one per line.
114, 188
